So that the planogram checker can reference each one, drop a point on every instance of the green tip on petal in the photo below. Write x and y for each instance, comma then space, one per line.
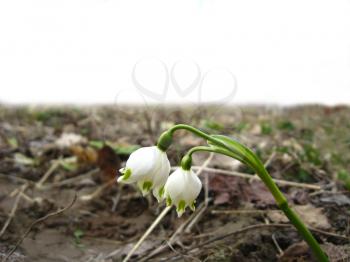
192, 206
181, 208
145, 187
126, 174
168, 201
161, 192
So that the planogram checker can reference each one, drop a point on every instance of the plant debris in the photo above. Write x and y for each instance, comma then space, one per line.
47, 155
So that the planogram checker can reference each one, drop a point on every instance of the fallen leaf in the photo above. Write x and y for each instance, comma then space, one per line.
296, 252
256, 192
67, 140
109, 163
311, 215
24, 160
338, 199
85, 154
336, 253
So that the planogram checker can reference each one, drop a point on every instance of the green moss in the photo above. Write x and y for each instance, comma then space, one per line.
286, 125
266, 128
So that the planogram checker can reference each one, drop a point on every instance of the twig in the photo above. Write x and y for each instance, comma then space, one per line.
173, 237
243, 211
148, 231
247, 176
279, 249
117, 198
274, 240
52, 168
197, 216
36, 222
97, 192
19, 179
185, 257
71, 180
14, 209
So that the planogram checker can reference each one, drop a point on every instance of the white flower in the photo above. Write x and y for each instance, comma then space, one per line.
182, 189
149, 167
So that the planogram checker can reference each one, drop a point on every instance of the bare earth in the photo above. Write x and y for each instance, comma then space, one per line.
47, 155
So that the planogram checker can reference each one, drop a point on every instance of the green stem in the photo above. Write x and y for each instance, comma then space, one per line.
226, 146
196, 132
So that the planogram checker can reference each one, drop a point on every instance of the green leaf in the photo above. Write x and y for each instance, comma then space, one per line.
266, 128
12, 141
25, 160
127, 150
213, 125
286, 125
69, 166
120, 150
239, 151
97, 144
78, 234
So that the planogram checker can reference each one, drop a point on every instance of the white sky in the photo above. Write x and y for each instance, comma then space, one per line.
84, 51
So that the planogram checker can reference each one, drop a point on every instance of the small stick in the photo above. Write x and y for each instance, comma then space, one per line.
14, 209
117, 198
244, 175
97, 192
173, 238
197, 217
243, 211
19, 179
71, 180
52, 168
148, 231
274, 240
36, 222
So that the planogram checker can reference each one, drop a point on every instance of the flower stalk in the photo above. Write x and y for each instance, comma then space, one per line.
229, 147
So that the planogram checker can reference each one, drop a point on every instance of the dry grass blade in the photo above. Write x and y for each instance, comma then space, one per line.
36, 222
248, 176
148, 231
48, 173
14, 209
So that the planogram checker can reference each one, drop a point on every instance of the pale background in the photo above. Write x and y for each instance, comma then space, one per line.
82, 52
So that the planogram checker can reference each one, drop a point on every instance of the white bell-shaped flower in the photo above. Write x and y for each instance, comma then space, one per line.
149, 167
181, 189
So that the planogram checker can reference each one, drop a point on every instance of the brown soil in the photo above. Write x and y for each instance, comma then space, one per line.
241, 222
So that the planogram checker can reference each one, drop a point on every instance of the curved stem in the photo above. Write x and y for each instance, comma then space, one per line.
186, 161
226, 146
198, 133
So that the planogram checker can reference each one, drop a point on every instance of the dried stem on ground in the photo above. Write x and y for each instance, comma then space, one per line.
14, 209
20, 240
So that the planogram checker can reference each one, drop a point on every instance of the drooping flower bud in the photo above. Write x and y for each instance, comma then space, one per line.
149, 167
181, 189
